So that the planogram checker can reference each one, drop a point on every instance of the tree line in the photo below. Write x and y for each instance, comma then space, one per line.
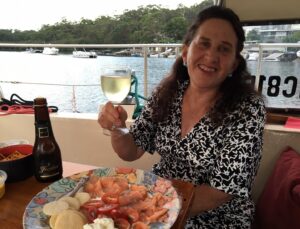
254, 35
147, 24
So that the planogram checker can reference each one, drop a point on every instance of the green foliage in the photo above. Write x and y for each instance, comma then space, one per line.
149, 24
253, 35
293, 38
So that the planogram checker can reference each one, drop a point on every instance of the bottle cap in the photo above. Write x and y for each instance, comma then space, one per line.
40, 101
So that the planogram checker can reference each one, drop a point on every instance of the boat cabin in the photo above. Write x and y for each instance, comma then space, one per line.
81, 139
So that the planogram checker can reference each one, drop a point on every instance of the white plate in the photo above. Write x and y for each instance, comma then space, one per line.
34, 218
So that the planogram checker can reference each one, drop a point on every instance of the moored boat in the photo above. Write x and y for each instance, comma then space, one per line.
84, 54
32, 50
50, 51
164, 54
253, 56
286, 56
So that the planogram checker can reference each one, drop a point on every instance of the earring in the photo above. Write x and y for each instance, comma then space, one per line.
229, 75
184, 64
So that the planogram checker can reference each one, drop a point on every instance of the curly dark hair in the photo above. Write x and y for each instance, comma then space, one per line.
233, 88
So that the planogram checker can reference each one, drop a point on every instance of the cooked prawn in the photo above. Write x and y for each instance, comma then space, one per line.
132, 200
140, 225
157, 215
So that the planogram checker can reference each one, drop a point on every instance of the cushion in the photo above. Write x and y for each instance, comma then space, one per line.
296, 194
279, 203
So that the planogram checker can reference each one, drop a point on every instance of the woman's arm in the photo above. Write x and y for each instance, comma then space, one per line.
114, 118
237, 161
124, 145
207, 198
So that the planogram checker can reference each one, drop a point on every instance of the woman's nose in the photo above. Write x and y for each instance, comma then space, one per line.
212, 54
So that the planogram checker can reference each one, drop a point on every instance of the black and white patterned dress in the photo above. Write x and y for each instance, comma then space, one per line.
225, 157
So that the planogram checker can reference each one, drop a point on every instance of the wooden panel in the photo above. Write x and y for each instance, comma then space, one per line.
265, 10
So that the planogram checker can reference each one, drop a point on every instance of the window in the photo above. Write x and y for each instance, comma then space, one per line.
279, 65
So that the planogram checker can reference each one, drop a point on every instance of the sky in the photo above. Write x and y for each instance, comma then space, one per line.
32, 14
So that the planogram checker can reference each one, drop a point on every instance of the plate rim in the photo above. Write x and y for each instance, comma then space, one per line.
179, 201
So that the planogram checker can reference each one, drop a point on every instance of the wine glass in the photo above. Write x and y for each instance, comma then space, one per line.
115, 84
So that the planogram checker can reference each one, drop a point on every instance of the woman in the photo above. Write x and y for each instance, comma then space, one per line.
205, 121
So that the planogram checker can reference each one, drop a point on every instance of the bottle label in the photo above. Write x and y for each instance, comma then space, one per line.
43, 132
48, 170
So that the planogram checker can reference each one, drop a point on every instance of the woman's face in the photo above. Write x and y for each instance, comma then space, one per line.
211, 56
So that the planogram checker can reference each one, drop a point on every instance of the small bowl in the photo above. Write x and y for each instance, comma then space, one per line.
17, 169
10, 142
3, 177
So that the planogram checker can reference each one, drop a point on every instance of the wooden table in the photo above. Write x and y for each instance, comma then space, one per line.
19, 194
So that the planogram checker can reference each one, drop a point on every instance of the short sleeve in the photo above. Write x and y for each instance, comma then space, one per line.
143, 129
239, 156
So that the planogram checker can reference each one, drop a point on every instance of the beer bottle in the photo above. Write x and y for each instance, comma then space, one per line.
46, 152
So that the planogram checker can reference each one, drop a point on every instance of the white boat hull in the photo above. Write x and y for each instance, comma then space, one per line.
83, 54
50, 51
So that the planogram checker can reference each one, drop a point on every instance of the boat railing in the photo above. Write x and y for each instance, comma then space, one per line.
73, 86
146, 50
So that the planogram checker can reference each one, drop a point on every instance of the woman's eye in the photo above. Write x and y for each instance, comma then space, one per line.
224, 49
203, 44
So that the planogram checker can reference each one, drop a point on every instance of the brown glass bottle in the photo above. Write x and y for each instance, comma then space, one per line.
46, 152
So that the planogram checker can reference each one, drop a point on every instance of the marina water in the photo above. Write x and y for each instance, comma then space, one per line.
37, 70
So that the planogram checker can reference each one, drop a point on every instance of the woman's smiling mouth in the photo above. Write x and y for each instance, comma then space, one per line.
206, 69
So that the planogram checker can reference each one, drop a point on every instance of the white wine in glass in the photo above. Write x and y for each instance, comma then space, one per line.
115, 84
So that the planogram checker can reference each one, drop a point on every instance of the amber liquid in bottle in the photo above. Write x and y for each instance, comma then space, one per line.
46, 152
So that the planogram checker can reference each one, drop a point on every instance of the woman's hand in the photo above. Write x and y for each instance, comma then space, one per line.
207, 198
112, 116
